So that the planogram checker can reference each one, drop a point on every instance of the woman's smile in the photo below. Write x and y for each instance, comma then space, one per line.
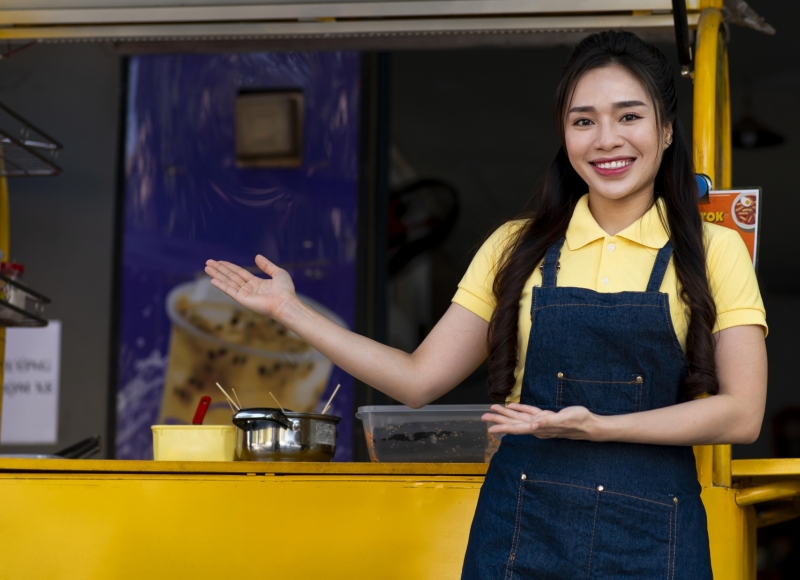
612, 167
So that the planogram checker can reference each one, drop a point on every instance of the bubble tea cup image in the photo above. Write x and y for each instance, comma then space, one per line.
214, 340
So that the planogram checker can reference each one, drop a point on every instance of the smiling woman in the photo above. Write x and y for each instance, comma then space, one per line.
605, 317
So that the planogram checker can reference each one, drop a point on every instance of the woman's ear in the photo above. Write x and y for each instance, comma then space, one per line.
667, 134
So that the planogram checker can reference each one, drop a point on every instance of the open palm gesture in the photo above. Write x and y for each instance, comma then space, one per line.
263, 296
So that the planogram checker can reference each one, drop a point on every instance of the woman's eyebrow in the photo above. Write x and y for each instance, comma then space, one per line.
617, 105
626, 104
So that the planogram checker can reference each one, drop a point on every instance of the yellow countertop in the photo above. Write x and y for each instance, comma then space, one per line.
98, 466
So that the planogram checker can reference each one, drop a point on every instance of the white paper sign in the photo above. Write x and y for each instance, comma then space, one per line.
30, 385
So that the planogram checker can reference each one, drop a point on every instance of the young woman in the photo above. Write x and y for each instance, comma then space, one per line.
620, 331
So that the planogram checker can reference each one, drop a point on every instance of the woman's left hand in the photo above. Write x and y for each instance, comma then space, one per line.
568, 423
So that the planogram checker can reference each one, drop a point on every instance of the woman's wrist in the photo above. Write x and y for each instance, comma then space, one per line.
289, 311
601, 428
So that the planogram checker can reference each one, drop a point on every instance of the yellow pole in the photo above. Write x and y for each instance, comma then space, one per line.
726, 179
731, 529
705, 92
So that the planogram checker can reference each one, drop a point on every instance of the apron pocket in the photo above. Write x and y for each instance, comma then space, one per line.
616, 396
634, 538
552, 538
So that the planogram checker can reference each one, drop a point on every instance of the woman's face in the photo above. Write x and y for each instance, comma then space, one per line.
612, 137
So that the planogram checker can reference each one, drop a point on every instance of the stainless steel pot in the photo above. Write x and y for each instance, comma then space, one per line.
272, 435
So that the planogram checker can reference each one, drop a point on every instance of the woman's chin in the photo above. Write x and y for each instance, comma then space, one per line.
620, 193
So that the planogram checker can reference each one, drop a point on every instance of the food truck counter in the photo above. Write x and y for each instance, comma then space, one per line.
88, 519
131, 519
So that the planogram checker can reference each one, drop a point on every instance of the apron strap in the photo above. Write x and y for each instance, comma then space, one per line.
550, 264
660, 268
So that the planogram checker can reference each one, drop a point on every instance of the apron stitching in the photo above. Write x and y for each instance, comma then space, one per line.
602, 382
675, 543
515, 541
591, 542
599, 305
639, 498
669, 551
558, 483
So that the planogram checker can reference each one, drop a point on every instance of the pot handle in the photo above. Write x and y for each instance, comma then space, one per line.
244, 418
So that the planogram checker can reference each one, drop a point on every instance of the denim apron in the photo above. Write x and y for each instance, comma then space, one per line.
559, 509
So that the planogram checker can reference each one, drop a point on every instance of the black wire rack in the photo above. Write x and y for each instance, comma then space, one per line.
25, 150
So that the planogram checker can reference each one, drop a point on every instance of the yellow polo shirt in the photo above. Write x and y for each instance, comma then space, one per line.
592, 259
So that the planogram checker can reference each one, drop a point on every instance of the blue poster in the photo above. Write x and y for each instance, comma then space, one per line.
187, 199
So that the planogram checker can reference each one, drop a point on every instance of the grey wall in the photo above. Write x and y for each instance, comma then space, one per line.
62, 227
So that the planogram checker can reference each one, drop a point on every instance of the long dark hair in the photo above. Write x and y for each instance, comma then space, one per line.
563, 187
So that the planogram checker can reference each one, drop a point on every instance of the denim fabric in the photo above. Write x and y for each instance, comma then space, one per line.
557, 509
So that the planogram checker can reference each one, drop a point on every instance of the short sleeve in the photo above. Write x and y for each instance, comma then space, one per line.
475, 289
733, 282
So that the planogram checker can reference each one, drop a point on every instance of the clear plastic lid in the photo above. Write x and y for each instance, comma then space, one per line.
394, 409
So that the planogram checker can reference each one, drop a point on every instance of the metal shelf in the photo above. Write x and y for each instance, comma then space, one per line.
20, 306
25, 150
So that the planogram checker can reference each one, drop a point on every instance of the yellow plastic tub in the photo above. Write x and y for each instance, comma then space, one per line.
193, 442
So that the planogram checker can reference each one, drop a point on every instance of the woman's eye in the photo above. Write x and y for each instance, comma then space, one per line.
630, 117
583, 122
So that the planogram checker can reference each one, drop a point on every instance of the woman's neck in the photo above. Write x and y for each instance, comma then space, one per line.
614, 215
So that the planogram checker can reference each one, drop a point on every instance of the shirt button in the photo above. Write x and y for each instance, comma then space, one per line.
611, 247
604, 280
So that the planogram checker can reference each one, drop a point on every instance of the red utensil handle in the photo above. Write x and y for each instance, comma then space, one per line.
200, 414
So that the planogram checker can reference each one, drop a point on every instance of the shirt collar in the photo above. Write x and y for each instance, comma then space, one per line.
647, 231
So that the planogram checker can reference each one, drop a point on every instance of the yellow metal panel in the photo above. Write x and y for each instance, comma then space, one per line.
732, 535
209, 527
703, 460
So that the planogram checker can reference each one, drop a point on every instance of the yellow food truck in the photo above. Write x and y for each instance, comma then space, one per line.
144, 519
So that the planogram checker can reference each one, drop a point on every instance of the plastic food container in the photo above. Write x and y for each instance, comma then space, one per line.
432, 434
193, 442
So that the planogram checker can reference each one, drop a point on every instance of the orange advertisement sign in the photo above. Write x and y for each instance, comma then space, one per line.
737, 209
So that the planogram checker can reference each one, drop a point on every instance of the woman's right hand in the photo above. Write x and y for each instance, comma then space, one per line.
263, 296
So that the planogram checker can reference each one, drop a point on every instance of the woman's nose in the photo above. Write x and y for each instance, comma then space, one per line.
608, 137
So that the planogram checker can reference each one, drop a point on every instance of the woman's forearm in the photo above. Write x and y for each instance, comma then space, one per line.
451, 352
355, 354
712, 420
